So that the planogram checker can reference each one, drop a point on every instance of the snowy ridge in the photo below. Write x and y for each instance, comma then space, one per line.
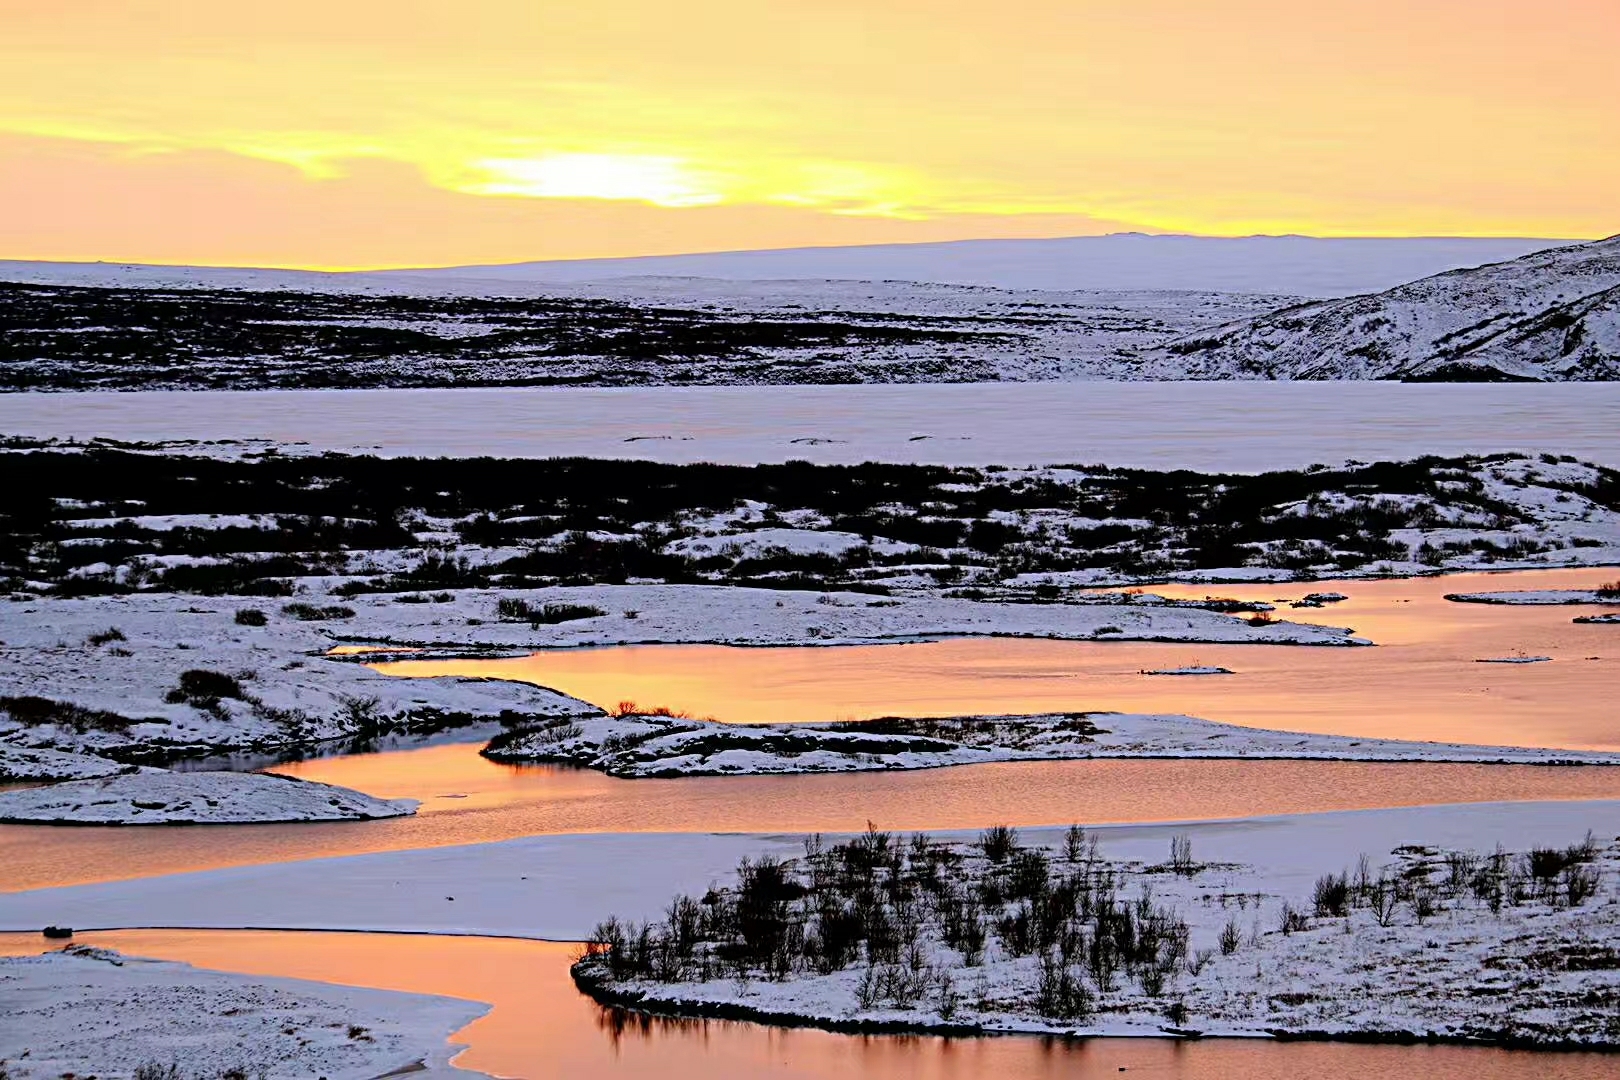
1553, 315
1302, 265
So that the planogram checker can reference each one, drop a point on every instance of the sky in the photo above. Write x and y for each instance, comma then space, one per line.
366, 133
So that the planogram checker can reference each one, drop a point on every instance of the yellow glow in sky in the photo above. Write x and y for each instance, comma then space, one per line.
347, 133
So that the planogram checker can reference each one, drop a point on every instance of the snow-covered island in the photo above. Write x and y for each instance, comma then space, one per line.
94, 1012
637, 745
889, 933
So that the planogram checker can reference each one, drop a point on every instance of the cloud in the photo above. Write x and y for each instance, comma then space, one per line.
73, 200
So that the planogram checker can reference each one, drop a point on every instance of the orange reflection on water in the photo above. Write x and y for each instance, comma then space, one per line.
541, 1027
1421, 682
503, 802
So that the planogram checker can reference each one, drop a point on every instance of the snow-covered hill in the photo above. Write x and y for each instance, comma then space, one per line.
1553, 315
1293, 265
1284, 265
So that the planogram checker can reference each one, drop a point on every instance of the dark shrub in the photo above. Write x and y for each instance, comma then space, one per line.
204, 688
313, 613
251, 617
1332, 895
516, 609
999, 843
111, 634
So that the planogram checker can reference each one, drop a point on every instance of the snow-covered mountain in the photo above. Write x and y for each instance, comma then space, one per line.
1551, 316
1128, 262
1287, 265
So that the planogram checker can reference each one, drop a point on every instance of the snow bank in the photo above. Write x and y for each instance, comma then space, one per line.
95, 1012
160, 797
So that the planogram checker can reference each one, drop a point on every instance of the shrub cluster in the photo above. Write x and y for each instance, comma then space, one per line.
517, 609
899, 909
1558, 877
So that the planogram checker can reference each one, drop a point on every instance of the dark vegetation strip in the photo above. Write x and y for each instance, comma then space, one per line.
581, 521
64, 337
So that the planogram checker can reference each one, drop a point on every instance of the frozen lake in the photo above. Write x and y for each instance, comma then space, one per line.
1226, 426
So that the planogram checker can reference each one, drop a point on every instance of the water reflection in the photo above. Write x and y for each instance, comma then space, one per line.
540, 1026
1420, 683
469, 800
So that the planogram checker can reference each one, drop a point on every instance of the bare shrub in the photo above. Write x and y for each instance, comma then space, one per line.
1181, 859
1331, 896
1383, 900
998, 842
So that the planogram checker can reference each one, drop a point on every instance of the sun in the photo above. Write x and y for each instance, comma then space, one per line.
661, 181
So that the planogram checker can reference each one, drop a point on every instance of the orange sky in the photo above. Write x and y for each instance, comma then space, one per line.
346, 133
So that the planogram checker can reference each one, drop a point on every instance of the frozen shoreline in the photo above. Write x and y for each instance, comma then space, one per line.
94, 1011
636, 746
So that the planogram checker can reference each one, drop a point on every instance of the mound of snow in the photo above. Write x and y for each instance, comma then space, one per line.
160, 797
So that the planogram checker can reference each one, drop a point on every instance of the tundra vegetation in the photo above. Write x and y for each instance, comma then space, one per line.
884, 930
113, 521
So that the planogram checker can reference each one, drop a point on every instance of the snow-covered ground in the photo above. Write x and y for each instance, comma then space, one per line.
1239, 426
119, 698
661, 746
94, 1012
160, 797
1111, 308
